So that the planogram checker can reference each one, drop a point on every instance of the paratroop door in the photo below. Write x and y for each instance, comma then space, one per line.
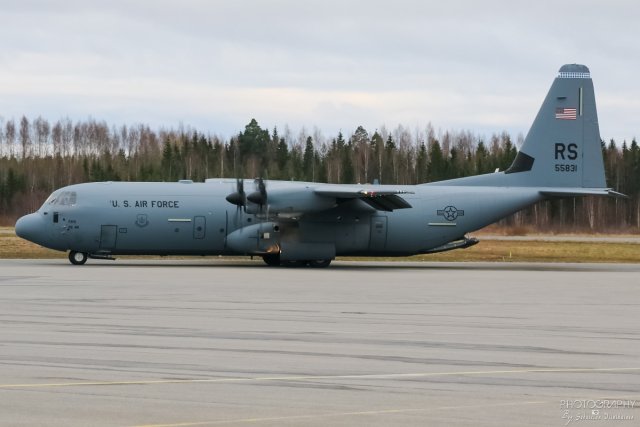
108, 236
378, 240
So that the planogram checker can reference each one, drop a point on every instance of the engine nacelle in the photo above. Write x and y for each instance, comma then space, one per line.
256, 239
270, 238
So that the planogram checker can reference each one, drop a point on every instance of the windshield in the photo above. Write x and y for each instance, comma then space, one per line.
62, 198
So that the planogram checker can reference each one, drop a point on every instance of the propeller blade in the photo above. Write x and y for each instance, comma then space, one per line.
259, 197
239, 197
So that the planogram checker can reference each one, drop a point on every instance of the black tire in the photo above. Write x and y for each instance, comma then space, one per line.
272, 260
294, 264
319, 263
77, 258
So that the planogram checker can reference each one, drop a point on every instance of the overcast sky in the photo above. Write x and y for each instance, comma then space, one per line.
483, 66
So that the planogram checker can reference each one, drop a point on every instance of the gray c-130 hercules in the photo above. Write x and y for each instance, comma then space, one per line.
307, 223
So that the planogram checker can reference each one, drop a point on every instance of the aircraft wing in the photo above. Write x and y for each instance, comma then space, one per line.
382, 200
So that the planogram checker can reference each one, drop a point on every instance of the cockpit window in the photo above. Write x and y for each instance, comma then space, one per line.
67, 198
51, 200
64, 198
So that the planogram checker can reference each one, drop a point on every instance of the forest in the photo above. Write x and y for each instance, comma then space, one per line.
37, 157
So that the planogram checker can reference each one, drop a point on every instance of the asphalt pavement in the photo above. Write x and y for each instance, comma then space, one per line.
214, 342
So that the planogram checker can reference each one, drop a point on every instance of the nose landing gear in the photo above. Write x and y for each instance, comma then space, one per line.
77, 258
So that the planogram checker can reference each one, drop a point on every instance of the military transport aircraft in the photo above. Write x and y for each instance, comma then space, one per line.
308, 223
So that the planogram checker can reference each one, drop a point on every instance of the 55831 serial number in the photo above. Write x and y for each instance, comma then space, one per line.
560, 167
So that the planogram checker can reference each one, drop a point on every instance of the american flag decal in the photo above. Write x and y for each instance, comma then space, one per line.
566, 113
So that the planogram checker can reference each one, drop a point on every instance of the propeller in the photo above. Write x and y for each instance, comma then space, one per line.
238, 198
259, 197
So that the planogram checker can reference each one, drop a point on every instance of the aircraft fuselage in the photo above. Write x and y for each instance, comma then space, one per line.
118, 218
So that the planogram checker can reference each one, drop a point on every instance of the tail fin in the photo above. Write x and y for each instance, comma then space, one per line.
562, 148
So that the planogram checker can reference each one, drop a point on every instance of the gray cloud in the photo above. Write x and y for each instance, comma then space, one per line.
482, 66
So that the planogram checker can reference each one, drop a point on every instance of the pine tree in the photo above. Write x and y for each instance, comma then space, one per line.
377, 148
361, 149
388, 173
282, 158
421, 164
482, 164
252, 144
348, 172
167, 161
437, 163
308, 160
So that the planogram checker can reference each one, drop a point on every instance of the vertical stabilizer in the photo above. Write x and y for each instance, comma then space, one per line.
562, 148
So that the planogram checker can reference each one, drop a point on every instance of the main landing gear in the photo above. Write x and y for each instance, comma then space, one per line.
273, 260
78, 258
319, 263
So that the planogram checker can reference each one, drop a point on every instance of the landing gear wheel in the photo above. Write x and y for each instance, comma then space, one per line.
319, 263
77, 258
272, 260
294, 264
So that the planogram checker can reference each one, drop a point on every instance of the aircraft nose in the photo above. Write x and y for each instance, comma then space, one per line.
29, 227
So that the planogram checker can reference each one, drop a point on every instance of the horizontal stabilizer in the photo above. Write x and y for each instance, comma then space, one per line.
577, 192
